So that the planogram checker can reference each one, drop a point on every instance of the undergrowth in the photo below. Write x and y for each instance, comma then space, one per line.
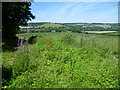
67, 61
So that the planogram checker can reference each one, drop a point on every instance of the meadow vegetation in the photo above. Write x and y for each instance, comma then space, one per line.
63, 60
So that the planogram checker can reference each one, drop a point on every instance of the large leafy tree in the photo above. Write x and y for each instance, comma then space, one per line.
14, 14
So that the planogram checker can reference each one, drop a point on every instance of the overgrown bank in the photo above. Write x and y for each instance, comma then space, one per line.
63, 61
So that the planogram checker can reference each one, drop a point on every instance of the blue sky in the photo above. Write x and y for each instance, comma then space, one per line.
65, 12
76, 0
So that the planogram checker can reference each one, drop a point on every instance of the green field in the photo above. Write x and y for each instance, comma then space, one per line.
63, 60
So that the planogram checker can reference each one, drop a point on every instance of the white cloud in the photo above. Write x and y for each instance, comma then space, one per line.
105, 16
75, 12
54, 13
64, 9
82, 8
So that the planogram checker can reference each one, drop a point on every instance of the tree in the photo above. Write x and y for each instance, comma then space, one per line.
14, 14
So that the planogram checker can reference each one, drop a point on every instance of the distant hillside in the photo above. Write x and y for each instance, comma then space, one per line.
37, 23
53, 25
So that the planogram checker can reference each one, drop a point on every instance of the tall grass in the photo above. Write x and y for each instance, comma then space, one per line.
64, 61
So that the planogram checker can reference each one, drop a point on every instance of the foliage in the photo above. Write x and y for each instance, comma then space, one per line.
14, 14
65, 60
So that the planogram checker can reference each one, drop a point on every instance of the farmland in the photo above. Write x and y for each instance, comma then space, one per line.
63, 60
101, 31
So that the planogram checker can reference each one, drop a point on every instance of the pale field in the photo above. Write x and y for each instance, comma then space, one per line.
100, 31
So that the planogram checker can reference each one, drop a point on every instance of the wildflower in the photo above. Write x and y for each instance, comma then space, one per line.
18, 42
28, 31
22, 50
41, 77
5, 86
21, 43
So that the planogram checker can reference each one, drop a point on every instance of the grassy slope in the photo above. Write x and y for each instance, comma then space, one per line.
50, 25
59, 60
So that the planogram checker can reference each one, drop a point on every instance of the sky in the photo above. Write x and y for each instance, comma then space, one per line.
75, 12
76, 0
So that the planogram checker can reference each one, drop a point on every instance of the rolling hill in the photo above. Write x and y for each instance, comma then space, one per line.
53, 25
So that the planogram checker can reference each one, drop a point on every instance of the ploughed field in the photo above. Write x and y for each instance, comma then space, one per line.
63, 60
